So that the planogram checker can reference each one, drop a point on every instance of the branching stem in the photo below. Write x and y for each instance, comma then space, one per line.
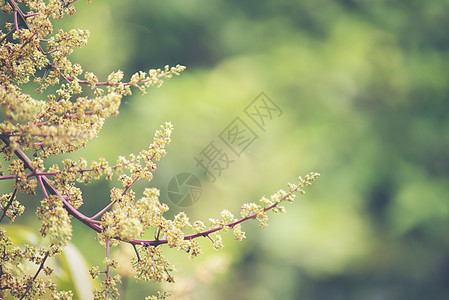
206, 233
94, 224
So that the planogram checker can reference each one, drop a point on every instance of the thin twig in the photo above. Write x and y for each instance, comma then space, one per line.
206, 233
93, 224
9, 203
103, 210
18, 13
7, 35
35, 275
41, 183
113, 202
107, 271
137, 252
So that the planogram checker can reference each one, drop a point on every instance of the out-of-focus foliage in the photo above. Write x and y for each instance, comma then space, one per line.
70, 267
364, 88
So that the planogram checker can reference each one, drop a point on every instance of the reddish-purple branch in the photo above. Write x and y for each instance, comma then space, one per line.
18, 13
206, 233
93, 224
73, 211
107, 271
123, 193
41, 183
13, 176
101, 212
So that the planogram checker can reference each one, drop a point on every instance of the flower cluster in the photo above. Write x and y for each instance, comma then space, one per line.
19, 285
61, 117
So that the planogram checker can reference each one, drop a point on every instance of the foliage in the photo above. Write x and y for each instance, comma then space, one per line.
68, 110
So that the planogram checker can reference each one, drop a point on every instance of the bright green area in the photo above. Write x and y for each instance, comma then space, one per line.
363, 86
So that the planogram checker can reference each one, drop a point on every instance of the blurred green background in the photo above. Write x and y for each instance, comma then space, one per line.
363, 86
